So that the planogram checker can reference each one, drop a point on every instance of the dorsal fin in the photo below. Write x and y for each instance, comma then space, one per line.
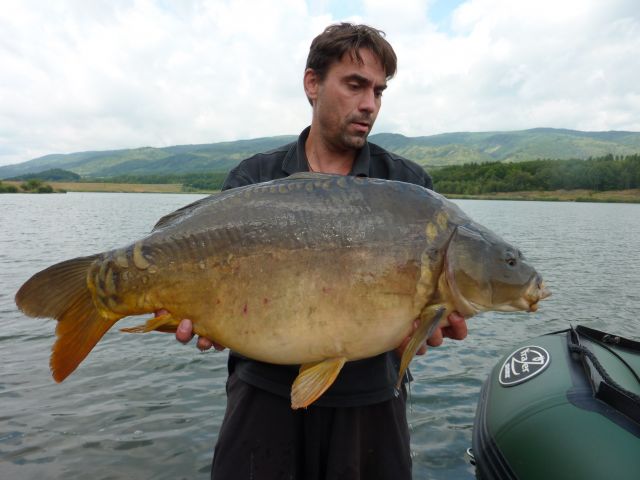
314, 175
185, 211
170, 218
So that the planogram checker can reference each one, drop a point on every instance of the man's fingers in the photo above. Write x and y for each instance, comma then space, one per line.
184, 333
436, 339
457, 328
204, 343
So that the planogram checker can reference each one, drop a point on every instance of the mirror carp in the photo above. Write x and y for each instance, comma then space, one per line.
312, 270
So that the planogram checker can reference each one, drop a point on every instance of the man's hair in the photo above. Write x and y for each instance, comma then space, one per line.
340, 38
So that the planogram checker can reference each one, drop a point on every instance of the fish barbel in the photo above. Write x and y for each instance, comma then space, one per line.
312, 270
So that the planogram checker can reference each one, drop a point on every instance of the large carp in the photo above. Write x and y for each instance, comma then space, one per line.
312, 269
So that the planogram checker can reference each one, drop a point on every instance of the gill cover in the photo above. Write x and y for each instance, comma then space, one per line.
486, 273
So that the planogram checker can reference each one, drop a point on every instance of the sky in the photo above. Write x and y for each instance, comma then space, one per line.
79, 75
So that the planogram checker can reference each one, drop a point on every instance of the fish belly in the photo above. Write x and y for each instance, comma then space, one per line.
300, 306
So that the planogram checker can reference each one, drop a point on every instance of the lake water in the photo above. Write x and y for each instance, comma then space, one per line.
143, 407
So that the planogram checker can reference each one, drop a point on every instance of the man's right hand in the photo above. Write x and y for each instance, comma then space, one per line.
184, 334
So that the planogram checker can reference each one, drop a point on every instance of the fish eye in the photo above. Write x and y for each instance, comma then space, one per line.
511, 259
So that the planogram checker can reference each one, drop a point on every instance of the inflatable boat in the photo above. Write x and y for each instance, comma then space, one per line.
565, 405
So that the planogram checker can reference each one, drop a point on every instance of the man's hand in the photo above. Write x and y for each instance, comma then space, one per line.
184, 334
457, 329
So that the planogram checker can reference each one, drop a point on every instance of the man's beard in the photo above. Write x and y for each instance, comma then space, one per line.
353, 141
358, 139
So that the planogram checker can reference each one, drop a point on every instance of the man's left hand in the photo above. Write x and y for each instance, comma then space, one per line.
457, 329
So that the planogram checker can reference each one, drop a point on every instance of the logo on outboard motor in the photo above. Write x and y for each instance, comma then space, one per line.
523, 364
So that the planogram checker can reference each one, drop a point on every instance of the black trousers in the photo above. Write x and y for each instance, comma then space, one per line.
262, 438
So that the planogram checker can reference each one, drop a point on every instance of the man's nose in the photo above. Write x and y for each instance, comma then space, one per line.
368, 101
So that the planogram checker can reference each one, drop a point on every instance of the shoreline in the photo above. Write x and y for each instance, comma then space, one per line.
101, 187
611, 196
120, 187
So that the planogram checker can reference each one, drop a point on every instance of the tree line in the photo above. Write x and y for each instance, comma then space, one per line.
189, 181
601, 174
52, 175
30, 186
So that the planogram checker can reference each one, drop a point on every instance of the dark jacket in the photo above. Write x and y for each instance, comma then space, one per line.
361, 382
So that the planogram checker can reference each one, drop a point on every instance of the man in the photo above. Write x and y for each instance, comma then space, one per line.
358, 428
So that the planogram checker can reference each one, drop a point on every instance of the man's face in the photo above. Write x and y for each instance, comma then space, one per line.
347, 101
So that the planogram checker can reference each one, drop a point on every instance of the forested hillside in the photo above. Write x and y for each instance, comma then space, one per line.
603, 173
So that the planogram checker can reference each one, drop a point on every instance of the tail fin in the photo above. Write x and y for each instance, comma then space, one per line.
61, 292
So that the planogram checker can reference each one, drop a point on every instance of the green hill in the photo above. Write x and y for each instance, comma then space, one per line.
464, 147
435, 150
53, 175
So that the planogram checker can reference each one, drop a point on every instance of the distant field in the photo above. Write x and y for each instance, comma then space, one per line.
119, 187
618, 196
113, 187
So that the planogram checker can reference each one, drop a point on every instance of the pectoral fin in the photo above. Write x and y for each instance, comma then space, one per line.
313, 380
428, 322
162, 323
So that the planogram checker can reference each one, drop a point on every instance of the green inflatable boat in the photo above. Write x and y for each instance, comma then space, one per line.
561, 406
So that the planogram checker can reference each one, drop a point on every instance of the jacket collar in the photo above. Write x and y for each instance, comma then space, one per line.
295, 159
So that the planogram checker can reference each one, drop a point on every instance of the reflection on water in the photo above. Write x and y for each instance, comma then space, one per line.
148, 407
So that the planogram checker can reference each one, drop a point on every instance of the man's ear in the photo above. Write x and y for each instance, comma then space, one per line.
311, 84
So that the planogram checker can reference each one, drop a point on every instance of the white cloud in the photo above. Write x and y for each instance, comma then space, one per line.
508, 65
96, 75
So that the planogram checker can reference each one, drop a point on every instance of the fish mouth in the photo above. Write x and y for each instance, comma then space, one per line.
536, 292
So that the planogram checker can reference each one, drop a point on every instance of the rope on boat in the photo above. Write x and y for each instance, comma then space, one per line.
603, 372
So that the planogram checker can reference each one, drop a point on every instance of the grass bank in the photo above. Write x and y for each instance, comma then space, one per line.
612, 196
114, 187
120, 187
